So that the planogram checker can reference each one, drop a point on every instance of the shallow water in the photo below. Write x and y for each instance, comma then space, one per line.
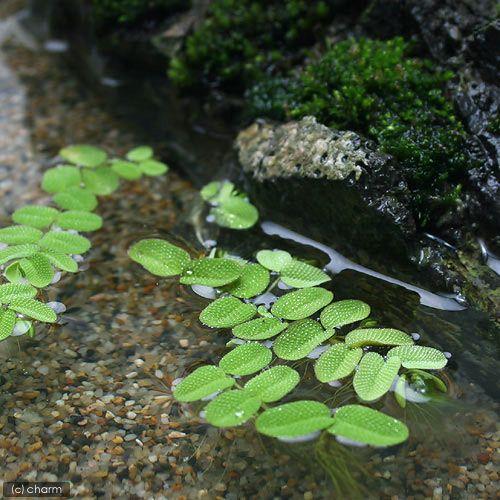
89, 401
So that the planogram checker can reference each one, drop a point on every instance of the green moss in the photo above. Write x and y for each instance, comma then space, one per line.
240, 41
132, 11
375, 88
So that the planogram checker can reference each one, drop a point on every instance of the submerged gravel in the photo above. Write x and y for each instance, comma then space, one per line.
89, 401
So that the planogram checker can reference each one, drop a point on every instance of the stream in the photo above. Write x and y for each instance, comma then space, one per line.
89, 400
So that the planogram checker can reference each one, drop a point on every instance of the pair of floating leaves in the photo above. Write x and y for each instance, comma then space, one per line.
301, 303
227, 312
131, 171
375, 376
299, 339
34, 217
159, 257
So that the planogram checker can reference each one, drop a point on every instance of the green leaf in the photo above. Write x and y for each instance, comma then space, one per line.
63, 242
17, 252
343, 313
9, 291
101, 181
400, 391
153, 168
301, 303
246, 359
61, 261
253, 281
126, 170
61, 178
211, 272
415, 356
159, 257
79, 221
76, 198
84, 155
336, 363
274, 260
235, 213
210, 191
33, 309
19, 235
203, 382
38, 270
375, 376
13, 273
299, 339
377, 336
35, 216
259, 329
7, 323
417, 374
365, 425
232, 408
140, 153
227, 312
301, 275
271, 385
294, 419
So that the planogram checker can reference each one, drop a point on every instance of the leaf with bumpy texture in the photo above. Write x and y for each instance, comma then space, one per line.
232, 408
365, 425
343, 313
259, 329
246, 359
211, 272
33, 309
336, 363
79, 221
203, 382
271, 385
227, 312
19, 235
38, 270
235, 213
415, 356
377, 336
126, 170
7, 323
9, 291
253, 280
84, 155
64, 242
60, 178
153, 168
274, 260
294, 419
159, 257
61, 261
35, 216
140, 153
17, 252
301, 303
375, 376
76, 198
299, 339
13, 273
101, 181
301, 275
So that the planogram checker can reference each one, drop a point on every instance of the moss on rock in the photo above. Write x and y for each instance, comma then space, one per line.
240, 41
376, 88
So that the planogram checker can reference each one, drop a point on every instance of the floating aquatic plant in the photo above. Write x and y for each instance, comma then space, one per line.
292, 324
44, 241
228, 207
